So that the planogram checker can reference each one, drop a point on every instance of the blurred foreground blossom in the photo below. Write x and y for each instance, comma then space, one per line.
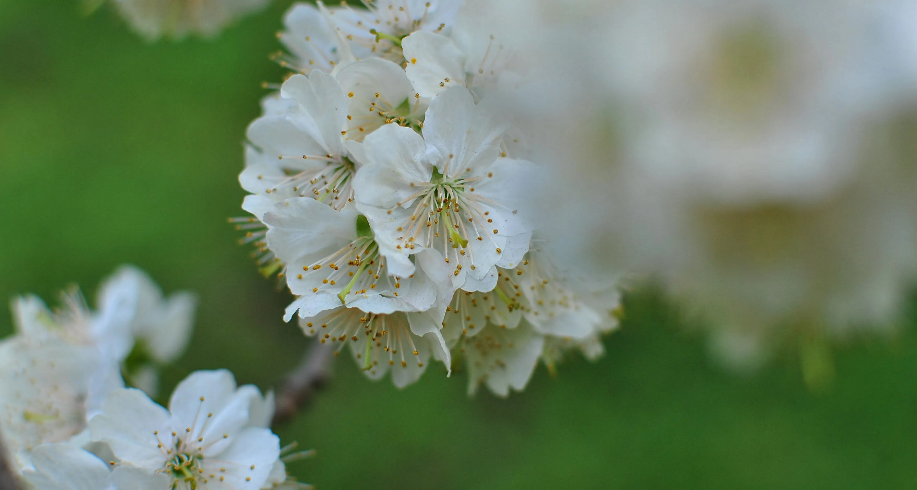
756, 157
177, 19
64, 466
59, 366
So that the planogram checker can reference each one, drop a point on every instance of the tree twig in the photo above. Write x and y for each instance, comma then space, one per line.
300, 383
8, 478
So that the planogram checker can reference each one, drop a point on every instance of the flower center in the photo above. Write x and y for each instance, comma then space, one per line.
330, 184
185, 469
384, 336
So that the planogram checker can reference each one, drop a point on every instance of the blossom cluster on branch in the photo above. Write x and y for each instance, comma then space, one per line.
393, 194
69, 423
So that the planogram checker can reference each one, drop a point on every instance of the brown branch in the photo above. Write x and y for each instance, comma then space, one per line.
9, 480
302, 382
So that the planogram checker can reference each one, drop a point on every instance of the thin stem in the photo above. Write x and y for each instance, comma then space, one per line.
300, 383
9, 480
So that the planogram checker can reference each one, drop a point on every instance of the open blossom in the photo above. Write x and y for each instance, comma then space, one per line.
177, 19
378, 93
205, 440
60, 365
131, 311
399, 342
333, 260
502, 359
449, 190
300, 153
323, 39
302, 145
552, 317
477, 54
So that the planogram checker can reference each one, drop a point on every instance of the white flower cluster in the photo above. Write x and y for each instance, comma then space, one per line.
756, 157
392, 193
68, 422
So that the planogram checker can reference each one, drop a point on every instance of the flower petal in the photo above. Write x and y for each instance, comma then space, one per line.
432, 59
128, 423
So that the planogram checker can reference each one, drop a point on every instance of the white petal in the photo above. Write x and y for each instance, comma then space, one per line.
111, 325
418, 292
65, 466
275, 105
309, 37
375, 84
102, 382
278, 473
31, 316
204, 393
262, 408
305, 230
252, 454
385, 224
169, 326
423, 325
127, 477
311, 305
128, 423
485, 284
323, 108
511, 185
276, 136
514, 251
265, 180
502, 358
463, 134
395, 160
432, 58
415, 367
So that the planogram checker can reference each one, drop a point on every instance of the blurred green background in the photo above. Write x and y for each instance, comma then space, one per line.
114, 150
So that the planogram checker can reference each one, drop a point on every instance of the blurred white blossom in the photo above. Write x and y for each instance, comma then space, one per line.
755, 157
177, 19
59, 366
321, 38
65, 466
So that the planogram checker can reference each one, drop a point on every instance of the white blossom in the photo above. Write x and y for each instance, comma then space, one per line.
399, 342
301, 152
179, 18
378, 93
333, 260
205, 440
502, 359
478, 55
449, 190
44, 387
157, 330
324, 39
751, 156
310, 39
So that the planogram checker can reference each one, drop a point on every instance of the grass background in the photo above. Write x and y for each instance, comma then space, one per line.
115, 150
